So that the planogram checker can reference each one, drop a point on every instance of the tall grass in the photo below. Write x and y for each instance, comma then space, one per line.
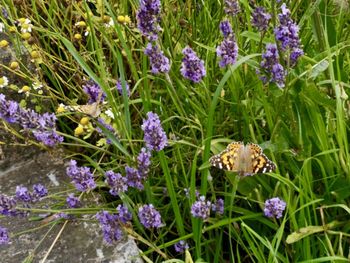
303, 128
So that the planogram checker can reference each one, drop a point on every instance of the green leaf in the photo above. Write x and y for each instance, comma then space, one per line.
319, 68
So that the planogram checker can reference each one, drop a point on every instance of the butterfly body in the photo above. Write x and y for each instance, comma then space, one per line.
90, 109
243, 159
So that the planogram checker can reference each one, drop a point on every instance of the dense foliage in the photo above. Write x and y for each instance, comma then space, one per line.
146, 92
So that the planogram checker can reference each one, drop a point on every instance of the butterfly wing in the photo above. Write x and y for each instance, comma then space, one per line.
259, 162
228, 159
89, 109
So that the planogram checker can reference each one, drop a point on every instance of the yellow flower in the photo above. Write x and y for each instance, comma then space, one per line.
21, 20
61, 108
25, 24
4, 82
84, 121
35, 54
80, 24
121, 19
124, 19
4, 43
127, 20
79, 130
14, 65
25, 90
78, 36
26, 35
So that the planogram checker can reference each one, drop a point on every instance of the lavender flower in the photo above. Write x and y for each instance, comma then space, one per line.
273, 70
192, 67
148, 17
4, 236
45, 131
294, 55
159, 62
42, 126
225, 28
218, 207
124, 214
9, 110
72, 201
181, 246
39, 191
149, 216
274, 207
232, 7
227, 51
117, 182
143, 163
133, 178
260, 19
81, 176
120, 88
287, 33
110, 226
201, 208
61, 215
23, 194
93, 90
8, 206
154, 135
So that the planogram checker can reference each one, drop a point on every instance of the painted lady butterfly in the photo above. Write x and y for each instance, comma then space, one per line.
243, 159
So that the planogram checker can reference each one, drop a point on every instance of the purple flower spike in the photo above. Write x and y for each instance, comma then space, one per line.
124, 214
232, 7
225, 28
201, 208
93, 90
227, 51
260, 19
72, 201
143, 163
110, 226
117, 182
287, 33
154, 135
218, 207
8, 206
149, 216
81, 176
39, 191
148, 18
23, 194
181, 246
159, 62
274, 207
9, 110
133, 178
273, 70
192, 67
42, 126
120, 88
4, 236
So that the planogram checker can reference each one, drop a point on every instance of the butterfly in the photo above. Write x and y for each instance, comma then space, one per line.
90, 109
246, 159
